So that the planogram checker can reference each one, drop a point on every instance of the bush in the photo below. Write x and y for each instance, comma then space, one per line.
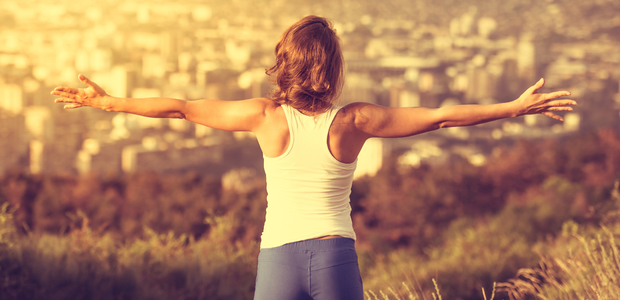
89, 265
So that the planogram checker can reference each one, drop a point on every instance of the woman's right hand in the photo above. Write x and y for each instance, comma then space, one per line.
93, 95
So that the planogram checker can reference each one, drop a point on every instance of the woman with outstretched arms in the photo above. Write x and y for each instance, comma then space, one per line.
310, 147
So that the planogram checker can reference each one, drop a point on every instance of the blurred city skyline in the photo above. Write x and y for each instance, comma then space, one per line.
397, 53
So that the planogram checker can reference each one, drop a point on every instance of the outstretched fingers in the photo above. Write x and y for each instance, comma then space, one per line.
560, 108
78, 97
73, 105
537, 86
558, 105
87, 81
69, 95
546, 103
64, 89
64, 100
555, 95
561, 102
66, 97
553, 116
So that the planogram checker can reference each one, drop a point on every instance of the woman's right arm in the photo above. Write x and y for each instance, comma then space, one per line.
245, 115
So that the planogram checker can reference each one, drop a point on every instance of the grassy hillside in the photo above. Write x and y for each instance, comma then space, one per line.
540, 220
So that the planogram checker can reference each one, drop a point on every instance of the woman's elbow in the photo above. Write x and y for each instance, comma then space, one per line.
177, 115
183, 111
440, 119
444, 124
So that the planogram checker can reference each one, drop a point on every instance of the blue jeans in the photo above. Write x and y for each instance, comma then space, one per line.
309, 270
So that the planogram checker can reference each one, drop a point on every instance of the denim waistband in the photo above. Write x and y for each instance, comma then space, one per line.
316, 245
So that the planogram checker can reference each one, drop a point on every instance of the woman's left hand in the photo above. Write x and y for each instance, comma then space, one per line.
531, 102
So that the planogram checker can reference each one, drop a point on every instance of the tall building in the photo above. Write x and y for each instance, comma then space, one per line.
526, 58
480, 85
13, 142
11, 98
370, 159
38, 122
153, 65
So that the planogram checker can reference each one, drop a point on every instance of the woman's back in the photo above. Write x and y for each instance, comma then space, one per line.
344, 141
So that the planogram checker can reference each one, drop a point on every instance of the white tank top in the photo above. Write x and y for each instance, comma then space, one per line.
307, 188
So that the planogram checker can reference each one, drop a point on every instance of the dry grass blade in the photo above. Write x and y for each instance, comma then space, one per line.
436, 289
484, 296
391, 290
614, 248
527, 284
411, 296
385, 297
374, 296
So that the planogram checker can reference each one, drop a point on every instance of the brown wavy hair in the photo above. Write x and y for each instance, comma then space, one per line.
309, 69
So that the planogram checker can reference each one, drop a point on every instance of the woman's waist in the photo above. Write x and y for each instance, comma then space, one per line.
275, 240
296, 212
328, 237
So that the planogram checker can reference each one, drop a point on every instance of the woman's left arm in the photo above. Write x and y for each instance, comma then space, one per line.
376, 121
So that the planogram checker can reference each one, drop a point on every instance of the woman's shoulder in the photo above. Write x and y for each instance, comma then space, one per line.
354, 111
347, 115
266, 102
359, 115
270, 110
263, 105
